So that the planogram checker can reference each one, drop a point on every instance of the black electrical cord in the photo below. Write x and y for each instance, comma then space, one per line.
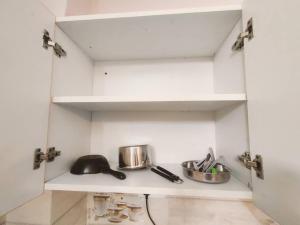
147, 207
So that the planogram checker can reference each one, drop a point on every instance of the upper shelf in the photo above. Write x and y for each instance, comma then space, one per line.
147, 35
207, 102
145, 181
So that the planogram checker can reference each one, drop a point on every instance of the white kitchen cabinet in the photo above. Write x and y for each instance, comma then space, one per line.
25, 68
272, 70
165, 78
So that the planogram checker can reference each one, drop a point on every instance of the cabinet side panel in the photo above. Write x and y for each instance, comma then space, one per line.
73, 74
232, 139
229, 75
69, 128
231, 123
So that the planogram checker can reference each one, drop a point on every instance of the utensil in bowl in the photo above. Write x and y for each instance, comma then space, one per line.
210, 159
222, 174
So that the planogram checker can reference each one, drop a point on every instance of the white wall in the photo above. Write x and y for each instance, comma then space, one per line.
167, 77
174, 137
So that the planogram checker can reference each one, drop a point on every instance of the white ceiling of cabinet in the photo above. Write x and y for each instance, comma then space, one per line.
150, 35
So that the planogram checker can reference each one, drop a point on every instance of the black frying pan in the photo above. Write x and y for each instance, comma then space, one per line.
92, 164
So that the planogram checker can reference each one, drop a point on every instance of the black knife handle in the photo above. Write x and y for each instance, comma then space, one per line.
117, 174
162, 174
172, 175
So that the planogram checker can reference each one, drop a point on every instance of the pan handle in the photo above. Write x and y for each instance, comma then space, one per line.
172, 175
162, 174
117, 174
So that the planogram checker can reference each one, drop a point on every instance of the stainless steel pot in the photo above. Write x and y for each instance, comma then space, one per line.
134, 157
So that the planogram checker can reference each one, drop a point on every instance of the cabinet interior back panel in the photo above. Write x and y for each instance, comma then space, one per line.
168, 77
173, 136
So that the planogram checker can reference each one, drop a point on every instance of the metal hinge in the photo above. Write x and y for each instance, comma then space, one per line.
47, 42
247, 34
256, 164
40, 156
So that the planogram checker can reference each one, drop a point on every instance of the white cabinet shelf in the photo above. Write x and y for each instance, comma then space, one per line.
207, 102
145, 181
147, 35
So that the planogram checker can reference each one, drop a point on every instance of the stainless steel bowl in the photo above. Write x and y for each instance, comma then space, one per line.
222, 176
134, 157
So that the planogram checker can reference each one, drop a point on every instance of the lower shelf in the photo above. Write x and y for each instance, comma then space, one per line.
145, 181
204, 102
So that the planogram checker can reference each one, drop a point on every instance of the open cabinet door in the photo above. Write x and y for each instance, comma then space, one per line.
25, 77
273, 87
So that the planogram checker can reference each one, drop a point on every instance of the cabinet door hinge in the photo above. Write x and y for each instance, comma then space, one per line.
47, 42
247, 34
256, 164
40, 156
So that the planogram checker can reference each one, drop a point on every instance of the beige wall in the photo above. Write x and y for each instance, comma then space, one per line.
81, 7
57, 7
77, 7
